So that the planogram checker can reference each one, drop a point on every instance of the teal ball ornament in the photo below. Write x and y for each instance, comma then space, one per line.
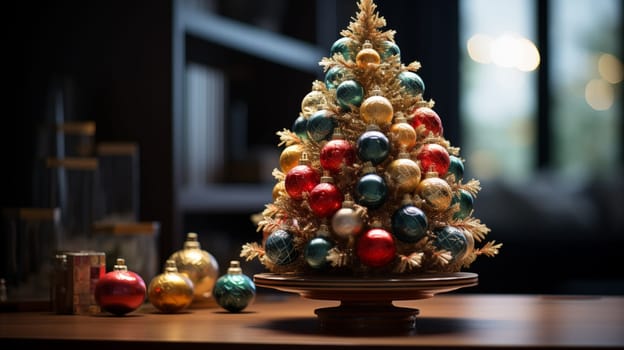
349, 94
373, 146
300, 127
456, 167
409, 224
234, 291
371, 191
280, 247
390, 49
316, 252
451, 239
320, 125
334, 76
343, 47
412, 83
466, 202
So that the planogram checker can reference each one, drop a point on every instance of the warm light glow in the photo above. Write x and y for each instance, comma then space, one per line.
599, 94
505, 51
479, 48
610, 68
529, 58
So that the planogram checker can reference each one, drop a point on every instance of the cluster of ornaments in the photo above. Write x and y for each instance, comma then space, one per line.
367, 182
190, 277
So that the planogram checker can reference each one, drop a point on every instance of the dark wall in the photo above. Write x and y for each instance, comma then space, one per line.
111, 61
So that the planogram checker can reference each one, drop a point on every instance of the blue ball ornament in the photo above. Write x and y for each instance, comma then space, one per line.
456, 167
300, 127
390, 49
349, 94
316, 252
334, 76
451, 239
280, 247
234, 291
412, 83
371, 191
409, 224
373, 146
343, 47
466, 202
320, 125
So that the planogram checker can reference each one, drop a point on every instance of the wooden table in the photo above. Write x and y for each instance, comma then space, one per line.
287, 321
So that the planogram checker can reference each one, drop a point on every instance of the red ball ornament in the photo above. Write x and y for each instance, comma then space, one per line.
335, 153
434, 157
427, 117
120, 291
301, 179
376, 248
325, 199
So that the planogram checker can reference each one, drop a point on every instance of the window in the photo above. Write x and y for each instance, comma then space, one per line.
500, 95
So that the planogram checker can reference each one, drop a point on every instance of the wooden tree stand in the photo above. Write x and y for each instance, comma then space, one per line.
366, 302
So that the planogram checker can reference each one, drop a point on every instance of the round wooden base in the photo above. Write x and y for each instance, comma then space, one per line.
366, 302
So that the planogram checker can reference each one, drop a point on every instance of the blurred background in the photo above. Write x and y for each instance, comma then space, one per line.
193, 92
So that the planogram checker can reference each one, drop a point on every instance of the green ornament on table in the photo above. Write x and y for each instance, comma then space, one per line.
234, 291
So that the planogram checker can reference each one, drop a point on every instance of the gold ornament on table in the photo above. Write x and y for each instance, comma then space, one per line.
171, 291
396, 157
200, 266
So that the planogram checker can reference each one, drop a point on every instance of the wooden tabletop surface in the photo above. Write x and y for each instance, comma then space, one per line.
287, 321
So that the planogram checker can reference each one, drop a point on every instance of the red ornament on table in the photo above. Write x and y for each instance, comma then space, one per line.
325, 198
376, 247
434, 158
427, 117
301, 179
120, 291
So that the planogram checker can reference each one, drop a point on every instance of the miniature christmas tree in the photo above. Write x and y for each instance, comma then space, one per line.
368, 184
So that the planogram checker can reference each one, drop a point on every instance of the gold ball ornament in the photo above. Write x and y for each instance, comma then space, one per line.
436, 193
170, 291
312, 102
367, 56
290, 157
403, 134
404, 173
376, 110
200, 267
279, 190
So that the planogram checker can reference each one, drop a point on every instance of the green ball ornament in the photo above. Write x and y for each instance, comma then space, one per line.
412, 83
456, 167
334, 76
371, 191
320, 125
343, 47
349, 94
316, 252
280, 247
300, 127
466, 202
409, 224
451, 239
390, 49
234, 291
